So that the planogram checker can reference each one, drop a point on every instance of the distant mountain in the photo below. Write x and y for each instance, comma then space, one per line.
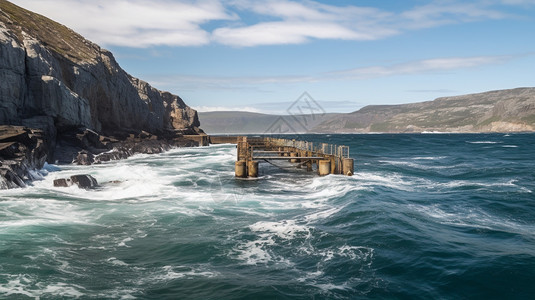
248, 122
496, 111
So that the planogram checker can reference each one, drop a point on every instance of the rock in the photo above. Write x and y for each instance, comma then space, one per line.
82, 181
22, 150
85, 181
63, 182
73, 91
84, 158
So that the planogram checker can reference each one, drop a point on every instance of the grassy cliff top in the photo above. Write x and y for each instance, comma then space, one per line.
54, 36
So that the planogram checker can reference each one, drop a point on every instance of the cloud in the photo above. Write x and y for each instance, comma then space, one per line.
518, 2
241, 23
135, 23
418, 67
195, 83
276, 33
441, 13
225, 108
262, 84
297, 22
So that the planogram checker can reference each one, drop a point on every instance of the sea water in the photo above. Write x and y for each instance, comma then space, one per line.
447, 216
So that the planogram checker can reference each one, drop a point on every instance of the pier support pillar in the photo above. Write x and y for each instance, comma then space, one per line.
293, 154
324, 167
348, 166
241, 169
252, 168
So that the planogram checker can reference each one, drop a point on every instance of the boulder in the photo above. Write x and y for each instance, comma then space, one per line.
85, 158
22, 150
82, 181
85, 181
62, 182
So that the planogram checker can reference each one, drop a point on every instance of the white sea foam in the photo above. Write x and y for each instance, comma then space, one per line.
419, 166
323, 214
429, 157
482, 142
269, 234
474, 218
168, 273
390, 180
30, 286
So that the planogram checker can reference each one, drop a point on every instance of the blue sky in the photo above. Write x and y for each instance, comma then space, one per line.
262, 55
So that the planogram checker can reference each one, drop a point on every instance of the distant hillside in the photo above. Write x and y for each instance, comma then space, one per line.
496, 111
247, 122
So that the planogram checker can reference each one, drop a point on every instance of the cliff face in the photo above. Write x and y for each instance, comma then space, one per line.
65, 98
55, 80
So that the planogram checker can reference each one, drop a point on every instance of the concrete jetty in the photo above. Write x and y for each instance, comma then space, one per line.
322, 157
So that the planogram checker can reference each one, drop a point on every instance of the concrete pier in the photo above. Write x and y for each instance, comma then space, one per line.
324, 167
241, 169
325, 158
252, 168
348, 166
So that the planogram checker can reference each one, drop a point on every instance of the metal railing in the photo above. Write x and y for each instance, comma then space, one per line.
319, 148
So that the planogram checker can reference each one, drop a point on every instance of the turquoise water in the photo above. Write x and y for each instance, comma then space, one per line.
425, 216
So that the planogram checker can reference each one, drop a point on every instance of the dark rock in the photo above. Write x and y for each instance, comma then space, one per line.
85, 158
71, 92
114, 154
63, 182
85, 181
22, 150
82, 181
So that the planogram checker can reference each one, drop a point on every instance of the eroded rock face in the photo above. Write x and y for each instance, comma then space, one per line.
92, 92
22, 150
82, 181
75, 94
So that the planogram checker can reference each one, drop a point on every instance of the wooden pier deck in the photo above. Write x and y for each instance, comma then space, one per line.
324, 158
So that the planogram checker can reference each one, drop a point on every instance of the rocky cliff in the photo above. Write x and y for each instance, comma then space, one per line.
495, 111
54, 80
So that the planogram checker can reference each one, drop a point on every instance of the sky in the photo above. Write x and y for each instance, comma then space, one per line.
261, 56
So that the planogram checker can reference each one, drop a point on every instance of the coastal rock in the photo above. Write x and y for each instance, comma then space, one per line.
62, 182
85, 158
77, 96
82, 181
55, 72
22, 150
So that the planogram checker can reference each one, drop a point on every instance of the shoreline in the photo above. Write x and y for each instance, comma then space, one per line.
24, 151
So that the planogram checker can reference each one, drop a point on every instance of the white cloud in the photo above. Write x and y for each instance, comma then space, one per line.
276, 33
225, 108
296, 22
144, 23
518, 2
134, 23
418, 67
263, 84
440, 13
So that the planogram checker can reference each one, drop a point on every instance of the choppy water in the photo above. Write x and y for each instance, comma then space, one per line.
425, 216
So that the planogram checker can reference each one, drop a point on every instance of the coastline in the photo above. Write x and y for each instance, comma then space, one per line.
24, 151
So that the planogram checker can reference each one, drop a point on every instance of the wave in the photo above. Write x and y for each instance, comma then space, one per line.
482, 142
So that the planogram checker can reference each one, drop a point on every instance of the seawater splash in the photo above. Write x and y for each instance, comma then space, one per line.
425, 216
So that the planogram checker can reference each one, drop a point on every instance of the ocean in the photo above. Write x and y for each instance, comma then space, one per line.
426, 216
